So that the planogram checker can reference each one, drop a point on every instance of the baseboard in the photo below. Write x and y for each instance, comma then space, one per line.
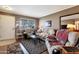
7, 39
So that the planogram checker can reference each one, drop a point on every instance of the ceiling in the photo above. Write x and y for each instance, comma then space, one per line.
34, 10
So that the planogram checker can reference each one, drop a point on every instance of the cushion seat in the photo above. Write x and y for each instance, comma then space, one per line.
55, 43
51, 36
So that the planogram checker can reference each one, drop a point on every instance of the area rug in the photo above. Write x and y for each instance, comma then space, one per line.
14, 49
38, 48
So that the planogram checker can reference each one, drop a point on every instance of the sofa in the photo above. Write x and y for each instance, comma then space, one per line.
62, 39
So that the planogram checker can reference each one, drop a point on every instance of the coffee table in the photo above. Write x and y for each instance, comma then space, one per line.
70, 50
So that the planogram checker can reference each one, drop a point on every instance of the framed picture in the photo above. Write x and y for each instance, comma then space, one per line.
48, 24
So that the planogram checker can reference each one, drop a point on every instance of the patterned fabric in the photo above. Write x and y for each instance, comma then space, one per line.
38, 48
55, 43
14, 49
62, 36
50, 36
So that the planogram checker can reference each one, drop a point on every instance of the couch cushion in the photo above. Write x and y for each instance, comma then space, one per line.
55, 43
51, 36
72, 39
62, 36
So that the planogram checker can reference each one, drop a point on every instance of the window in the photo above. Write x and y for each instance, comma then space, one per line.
25, 24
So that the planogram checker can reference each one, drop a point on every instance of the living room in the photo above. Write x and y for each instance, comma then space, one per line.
32, 29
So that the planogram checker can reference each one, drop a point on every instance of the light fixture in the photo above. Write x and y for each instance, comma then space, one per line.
71, 26
5, 7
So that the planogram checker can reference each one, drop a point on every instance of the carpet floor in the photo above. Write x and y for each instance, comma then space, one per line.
30, 46
38, 48
14, 49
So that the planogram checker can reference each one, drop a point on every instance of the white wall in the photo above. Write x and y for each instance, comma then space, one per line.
7, 27
56, 16
55, 22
